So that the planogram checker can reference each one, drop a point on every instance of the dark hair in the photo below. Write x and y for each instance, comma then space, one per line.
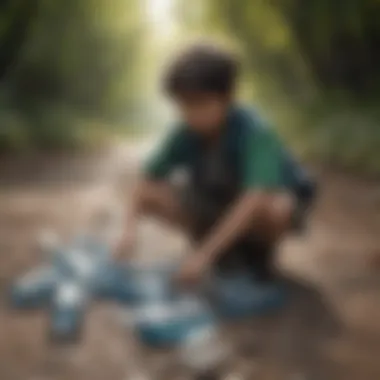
202, 68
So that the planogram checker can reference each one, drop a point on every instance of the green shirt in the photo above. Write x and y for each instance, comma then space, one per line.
258, 150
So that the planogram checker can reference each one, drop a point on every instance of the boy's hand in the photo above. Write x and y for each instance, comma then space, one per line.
126, 245
192, 271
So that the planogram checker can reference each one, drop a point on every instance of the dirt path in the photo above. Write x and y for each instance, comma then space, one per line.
342, 240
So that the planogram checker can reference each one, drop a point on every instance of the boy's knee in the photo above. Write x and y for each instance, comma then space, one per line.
150, 195
277, 217
281, 209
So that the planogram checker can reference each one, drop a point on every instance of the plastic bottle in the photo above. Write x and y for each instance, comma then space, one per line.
36, 288
68, 309
75, 273
77, 267
168, 318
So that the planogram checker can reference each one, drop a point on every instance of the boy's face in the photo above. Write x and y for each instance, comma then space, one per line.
204, 113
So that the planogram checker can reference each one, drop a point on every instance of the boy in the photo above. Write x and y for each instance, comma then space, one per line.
244, 192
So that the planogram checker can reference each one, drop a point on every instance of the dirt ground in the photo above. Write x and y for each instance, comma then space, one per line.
337, 255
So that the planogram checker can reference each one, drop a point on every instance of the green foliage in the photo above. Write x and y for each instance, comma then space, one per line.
342, 136
78, 61
49, 127
16, 18
315, 66
12, 132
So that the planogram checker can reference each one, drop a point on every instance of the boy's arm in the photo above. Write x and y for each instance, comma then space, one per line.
262, 178
165, 157
158, 166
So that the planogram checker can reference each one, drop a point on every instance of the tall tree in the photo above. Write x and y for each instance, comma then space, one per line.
16, 18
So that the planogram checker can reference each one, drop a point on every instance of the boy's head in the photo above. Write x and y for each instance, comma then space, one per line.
202, 82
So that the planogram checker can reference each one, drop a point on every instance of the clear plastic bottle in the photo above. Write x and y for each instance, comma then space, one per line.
68, 309
75, 273
169, 318
202, 349
78, 267
36, 287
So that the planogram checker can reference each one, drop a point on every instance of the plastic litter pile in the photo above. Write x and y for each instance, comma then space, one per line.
82, 271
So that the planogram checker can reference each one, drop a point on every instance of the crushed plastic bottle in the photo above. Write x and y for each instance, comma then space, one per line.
165, 317
68, 310
202, 350
79, 267
74, 275
34, 289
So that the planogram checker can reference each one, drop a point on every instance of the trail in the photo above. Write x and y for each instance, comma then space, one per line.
342, 242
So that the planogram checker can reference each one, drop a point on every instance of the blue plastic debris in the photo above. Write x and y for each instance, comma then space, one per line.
240, 295
68, 309
165, 316
83, 271
76, 274
35, 289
